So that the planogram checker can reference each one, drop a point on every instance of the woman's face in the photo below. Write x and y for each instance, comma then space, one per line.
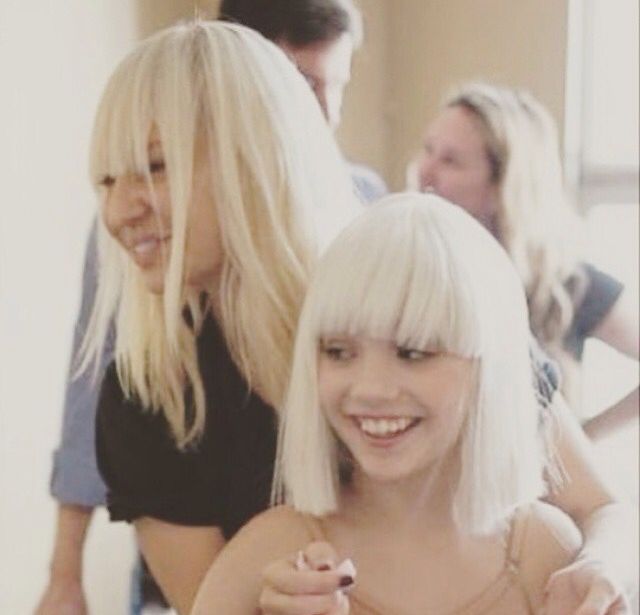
398, 410
454, 164
142, 223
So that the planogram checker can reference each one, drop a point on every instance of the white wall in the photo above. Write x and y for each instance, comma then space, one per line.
54, 58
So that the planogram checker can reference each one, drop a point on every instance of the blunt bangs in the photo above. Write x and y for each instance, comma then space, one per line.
154, 87
396, 279
123, 123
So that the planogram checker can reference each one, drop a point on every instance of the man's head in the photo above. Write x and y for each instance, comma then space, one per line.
318, 35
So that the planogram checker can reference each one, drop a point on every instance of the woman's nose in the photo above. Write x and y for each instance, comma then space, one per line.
426, 171
127, 203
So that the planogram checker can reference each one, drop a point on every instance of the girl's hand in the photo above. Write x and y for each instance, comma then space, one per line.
584, 588
306, 583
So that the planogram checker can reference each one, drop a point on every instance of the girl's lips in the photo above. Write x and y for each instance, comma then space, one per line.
384, 430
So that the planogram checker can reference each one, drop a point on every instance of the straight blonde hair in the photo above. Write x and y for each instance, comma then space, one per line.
418, 270
535, 220
280, 191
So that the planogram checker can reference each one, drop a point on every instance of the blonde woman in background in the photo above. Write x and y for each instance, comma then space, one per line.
219, 180
410, 439
494, 151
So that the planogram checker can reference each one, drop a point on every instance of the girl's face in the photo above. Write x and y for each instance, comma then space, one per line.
454, 164
398, 410
141, 222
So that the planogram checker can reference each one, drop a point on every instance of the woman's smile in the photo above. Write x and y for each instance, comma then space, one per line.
147, 250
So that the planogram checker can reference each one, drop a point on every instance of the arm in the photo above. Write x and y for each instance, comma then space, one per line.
178, 556
550, 542
232, 585
64, 593
614, 418
608, 558
618, 329
75, 482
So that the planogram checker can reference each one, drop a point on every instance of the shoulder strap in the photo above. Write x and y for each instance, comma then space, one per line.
515, 547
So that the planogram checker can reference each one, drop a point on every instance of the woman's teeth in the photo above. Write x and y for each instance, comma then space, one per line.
145, 247
383, 428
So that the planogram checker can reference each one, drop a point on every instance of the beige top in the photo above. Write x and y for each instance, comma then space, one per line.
505, 595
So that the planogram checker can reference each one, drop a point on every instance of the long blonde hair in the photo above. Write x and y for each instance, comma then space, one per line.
280, 191
535, 221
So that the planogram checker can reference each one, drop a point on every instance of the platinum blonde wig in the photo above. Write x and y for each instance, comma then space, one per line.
280, 192
418, 270
535, 221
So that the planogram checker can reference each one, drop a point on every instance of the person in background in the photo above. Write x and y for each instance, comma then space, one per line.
75, 481
494, 151
411, 439
320, 37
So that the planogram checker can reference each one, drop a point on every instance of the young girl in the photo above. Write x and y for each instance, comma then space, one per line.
411, 438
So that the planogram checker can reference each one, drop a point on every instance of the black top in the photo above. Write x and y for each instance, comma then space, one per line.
222, 481
593, 295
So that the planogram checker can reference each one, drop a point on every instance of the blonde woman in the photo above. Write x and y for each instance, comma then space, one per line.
494, 151
410, 438
218, 180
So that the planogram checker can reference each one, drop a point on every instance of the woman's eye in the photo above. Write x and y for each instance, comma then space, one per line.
413, 354
156, 166
107, 181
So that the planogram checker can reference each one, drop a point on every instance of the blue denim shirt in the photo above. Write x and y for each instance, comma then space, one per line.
75, 478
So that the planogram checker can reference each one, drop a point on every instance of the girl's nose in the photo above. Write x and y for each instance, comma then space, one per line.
373, 381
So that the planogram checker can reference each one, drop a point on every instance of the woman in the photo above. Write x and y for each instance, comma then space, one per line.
218, 181
410, 437
494, 151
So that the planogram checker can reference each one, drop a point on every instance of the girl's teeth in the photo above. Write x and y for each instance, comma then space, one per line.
384, 427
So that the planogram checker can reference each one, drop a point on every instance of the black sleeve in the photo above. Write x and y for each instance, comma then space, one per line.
146, 474
601, 293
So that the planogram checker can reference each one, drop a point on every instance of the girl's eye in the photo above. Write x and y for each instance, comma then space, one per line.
156, 166
413, 354
107, 181
336, 352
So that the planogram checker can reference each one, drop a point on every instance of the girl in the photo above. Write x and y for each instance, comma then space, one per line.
411, 438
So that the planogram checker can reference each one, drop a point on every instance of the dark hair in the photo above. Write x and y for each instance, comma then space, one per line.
298, 22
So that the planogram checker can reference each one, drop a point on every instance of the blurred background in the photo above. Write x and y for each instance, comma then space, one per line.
578, 57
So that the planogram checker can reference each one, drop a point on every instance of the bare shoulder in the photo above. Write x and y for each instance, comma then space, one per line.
280, 523
549, 526
234, 580
551, 541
